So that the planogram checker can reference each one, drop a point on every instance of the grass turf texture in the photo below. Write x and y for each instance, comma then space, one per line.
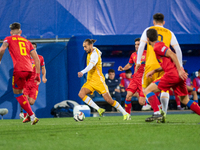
180, 132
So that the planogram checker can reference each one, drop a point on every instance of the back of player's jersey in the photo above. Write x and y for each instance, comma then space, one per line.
165, 36
19, 49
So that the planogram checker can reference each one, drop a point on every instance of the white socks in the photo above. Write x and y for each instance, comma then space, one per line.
164, 99
90, 102
119, 107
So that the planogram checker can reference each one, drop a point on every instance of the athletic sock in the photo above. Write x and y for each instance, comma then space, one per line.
25, 113
119, 107
32, 117
128, 106
178, 103
164, 99
90, 102
23, 101
194, 107
196, 101
153, 100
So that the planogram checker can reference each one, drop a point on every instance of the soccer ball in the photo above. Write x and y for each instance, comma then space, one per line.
79, 116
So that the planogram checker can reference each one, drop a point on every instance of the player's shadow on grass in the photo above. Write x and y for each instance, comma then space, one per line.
9, 96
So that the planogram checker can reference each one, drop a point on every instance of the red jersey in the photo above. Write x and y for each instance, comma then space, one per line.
41, 62
165, 62
133, 60
19, 49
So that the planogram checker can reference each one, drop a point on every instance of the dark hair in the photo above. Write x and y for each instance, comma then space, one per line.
137, 39
158, 17
33, 43
199, 70
14, 26
186, 71
111, 70
90, 41
128, 71
152, 35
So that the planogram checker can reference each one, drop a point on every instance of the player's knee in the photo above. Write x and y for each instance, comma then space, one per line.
128, 97
81, 95
32, 101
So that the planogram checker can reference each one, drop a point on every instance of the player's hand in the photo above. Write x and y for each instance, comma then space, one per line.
120, 68
137, 67
150, 74
182, 74
44, 79
80, 74
37, 78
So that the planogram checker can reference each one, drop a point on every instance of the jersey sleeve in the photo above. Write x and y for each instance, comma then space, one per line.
42, 61
161, 50
143, 42
131, 59
175, 45
6, 40
94, 58
30, 46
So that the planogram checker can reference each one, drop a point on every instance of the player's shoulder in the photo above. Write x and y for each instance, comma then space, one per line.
134, 54
96, 51
40, 56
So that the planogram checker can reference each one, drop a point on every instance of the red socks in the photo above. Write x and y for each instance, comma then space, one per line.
128, 106
23, 101
153, 100
178, 103
195, 107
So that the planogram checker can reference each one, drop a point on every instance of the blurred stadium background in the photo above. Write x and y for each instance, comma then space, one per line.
59, 27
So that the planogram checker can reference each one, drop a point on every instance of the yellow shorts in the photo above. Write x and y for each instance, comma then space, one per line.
146, 81
100, 87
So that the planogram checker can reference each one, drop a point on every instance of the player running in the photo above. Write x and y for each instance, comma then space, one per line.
96, 80
31, 87
136, 81
174, 76
166, 36
20, 50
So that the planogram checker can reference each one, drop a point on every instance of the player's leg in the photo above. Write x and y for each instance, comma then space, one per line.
19, 80
178, 102
154, 102
181, 90
83, 95
164, 99
115, 104
190, 103
128, 104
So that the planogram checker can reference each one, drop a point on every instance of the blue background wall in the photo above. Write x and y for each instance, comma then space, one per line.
111, 22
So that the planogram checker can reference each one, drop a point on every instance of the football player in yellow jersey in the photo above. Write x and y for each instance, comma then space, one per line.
166, 36
96, 80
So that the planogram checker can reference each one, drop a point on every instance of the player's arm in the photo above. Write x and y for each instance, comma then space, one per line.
143, 42
150, 74
2, 49
92, 63
44, 79
175, 45
172, 55
128, 66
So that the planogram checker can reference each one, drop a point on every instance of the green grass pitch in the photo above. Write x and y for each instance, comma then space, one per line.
181, 132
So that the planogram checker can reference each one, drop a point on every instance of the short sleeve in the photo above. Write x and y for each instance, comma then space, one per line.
42, 61
31, 46
131, 59
6, 40
161, 49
